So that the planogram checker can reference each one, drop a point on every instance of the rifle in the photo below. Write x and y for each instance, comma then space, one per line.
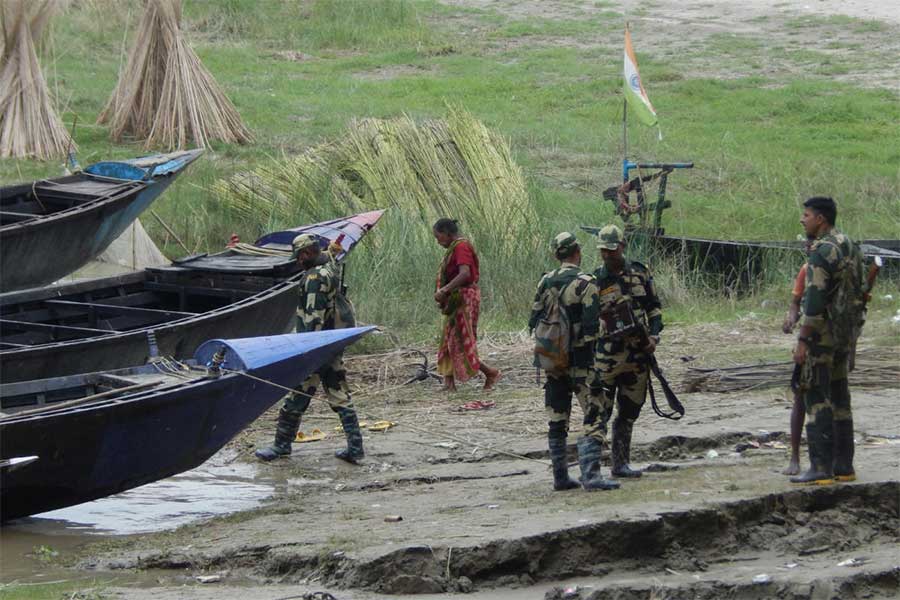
675, 404
634, 328
871, 276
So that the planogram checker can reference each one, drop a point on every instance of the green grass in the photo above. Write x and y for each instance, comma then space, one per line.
761, 144
69, 590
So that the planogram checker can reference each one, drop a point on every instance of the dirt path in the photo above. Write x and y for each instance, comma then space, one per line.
713, 513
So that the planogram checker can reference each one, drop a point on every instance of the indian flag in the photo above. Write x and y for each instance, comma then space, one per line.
634, 89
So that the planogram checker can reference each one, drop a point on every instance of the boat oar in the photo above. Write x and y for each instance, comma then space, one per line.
70, 403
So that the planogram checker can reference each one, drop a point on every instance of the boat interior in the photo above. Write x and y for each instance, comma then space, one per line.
29, 397
152, 297
19, 203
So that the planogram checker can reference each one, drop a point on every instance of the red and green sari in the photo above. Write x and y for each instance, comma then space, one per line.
458, 353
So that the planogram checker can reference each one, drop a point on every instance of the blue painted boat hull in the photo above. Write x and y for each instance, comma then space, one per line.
106, 447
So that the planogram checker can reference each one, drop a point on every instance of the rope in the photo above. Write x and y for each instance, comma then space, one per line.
168, 362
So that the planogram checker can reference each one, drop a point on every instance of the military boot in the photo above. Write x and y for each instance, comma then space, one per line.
843, 451
288, 425
820, 442
561, 479
621, 449
589, 461
354, 451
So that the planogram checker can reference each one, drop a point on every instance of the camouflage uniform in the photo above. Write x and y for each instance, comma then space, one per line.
623, 370
316, 312
578, 298
823, 380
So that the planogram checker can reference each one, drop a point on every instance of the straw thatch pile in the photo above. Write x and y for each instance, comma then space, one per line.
451, 167
29, 125
165, 95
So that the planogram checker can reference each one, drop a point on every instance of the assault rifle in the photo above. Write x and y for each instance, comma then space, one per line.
620, 322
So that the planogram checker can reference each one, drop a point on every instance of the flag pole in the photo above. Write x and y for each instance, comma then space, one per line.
625, 123
624, 128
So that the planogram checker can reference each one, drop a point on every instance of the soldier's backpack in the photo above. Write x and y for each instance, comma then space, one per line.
553, 334
847, 306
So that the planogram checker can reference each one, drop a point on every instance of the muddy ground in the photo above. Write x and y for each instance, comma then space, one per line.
712, 518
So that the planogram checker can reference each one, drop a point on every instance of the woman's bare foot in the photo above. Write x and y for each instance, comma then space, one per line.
490, 379
793, 467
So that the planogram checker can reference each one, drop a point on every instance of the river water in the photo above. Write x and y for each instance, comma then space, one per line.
28, 547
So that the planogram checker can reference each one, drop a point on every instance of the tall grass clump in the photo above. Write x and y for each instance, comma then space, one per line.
454, 167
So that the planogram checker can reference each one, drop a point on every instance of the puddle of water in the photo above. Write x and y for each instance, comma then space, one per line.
217, 487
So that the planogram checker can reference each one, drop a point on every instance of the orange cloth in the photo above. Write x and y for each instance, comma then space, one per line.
799, 283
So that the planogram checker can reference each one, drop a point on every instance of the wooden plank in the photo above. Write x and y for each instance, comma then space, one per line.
200, 291
168, 315
25, 326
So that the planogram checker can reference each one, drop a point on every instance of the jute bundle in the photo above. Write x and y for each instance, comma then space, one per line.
875, 367
455, 167
165, 95
29, 125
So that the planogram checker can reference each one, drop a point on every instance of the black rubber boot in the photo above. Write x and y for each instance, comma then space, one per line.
561, 479
820, 442
354, 451
589, 461
288, 425
621, 449
843, 451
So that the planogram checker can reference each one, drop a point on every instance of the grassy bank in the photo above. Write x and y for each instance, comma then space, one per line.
769, 117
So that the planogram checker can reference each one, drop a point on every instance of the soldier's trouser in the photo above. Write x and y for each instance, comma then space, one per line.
826, 397
558, 392
333, 379
625, 384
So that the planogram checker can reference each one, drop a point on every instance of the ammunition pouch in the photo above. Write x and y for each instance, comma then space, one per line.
620, 322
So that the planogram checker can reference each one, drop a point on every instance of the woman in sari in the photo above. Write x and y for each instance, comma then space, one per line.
459, 299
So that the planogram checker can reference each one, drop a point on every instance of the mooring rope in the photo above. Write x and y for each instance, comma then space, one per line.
168, 362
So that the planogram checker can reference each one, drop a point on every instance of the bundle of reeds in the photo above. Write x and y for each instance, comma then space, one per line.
875, 367
29, 124
454, 167
165, 95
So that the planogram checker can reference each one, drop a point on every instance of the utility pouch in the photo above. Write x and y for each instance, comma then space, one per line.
619, 321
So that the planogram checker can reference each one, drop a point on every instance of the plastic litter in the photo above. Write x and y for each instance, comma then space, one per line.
762, 578
314, 436
393, 519
712, 454
381, 425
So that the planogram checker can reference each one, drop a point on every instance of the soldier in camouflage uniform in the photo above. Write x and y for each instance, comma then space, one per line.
316, 312
578, 297
622, 365
824, 363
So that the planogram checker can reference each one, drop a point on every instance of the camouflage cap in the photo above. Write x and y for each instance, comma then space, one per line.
303, 241
563, 241
610, 238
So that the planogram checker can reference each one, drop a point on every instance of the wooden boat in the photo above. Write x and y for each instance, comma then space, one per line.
740, 262
68, 440
50, 228
122, 321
